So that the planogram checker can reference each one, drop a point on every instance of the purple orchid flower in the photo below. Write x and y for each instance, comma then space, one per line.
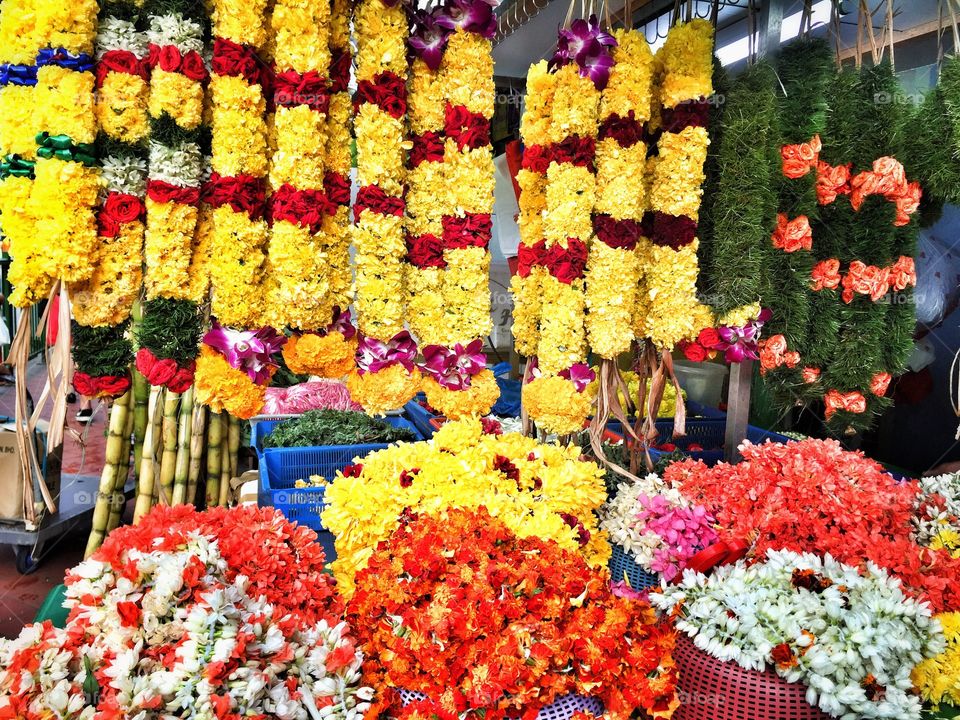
248, 350
429, 37
454, 367
590, 47
341, 324
374, 355
580, 374
741, 343
470, 16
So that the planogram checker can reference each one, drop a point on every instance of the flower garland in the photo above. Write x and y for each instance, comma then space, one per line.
450, 202
64, 194
234, 369
30, 273
381, 380
938, 678
543, 491
668, 310
850, 635
530, 623
813, 496
225, 612
236, 190
296, 293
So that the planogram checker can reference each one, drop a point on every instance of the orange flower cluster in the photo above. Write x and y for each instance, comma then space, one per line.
224, 388
853, 402
480, 621
832, 181
864, 279
889, 179
798, 160
792, 235
774, 354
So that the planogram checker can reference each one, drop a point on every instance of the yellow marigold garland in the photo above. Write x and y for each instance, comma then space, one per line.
329, 355
222, 387
380, 392
459, 468
938, 678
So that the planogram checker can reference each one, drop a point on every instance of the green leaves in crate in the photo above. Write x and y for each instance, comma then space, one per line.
319, 428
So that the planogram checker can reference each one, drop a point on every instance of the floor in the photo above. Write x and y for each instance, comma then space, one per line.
83, 456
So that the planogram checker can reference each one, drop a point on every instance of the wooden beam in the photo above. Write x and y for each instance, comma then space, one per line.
902, 36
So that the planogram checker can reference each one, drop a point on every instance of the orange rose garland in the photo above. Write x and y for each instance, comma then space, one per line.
384, 378
449, 203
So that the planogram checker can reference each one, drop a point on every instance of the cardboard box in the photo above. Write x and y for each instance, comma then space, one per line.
11, 477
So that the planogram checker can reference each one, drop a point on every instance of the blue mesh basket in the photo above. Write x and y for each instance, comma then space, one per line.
280, 468
707, 432
563, 708
623, 565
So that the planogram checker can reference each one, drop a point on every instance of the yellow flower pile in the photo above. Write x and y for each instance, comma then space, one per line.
938, 678
221, 387
380, 392
297, 290
667, 307
473, 401
463, 468
239, 147
613, 274
107, 297
328, 355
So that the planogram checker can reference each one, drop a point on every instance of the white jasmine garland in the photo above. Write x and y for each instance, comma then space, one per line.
618, 517
937, 508
125, 174
831, 638
180, 165
174, 29
114, 33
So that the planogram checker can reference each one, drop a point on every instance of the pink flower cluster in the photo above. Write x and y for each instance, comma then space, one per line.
685, 531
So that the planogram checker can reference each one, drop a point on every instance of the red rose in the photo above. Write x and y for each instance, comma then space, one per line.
243, 193
425, 251
129, 614
567, 264
472, 230
230, 58
427, 147
292, 88
337, 188
122, 61
85, 384
536, 158
123, 208
156, 371
694, 352
693, 113
673, 231
394, 106
373, 198
575, 150
153, 55
163, 192
709, 338
339, 71
169, 58
353, 471
621, 234
182, 378
529, 256
625, 130
469, 130
107, 225
193, 67
113, 386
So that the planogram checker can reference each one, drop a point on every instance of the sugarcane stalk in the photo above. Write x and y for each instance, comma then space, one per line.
197, 440
119, 489
168, 460
234, 446
141, 399
148, 461
225, 463
111, 468
179, 496
214, 441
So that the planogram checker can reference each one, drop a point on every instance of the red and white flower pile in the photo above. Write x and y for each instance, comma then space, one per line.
219, 615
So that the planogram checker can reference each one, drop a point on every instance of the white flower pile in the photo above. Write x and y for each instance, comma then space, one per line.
937, 508
197, 648
853, 640
618, 517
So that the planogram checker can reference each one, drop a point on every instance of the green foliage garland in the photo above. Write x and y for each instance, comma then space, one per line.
100, 351
170, 329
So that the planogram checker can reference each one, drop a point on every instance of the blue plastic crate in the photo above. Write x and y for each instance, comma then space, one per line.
420, 416
623, 565
280, 468
695, 409
707, 432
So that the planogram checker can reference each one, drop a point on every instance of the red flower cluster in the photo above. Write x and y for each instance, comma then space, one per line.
619, 234
471, 230
374, 199
243, 193
165, 372
118, 209
425, 251
120, 61
169, 59
339, 70
572, 149
470, 130
814, 496
566, 264
387, 91
835, 401
283, 561
460, 609
305, 208
160, 191
427, 147
291, 88
627, 131
103, 386
236, 60
673, 231
691, 113
832, 181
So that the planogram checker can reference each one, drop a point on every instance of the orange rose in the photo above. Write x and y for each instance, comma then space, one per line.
792, 235
810, 374
825, 275
791, 358
771, 352
903, 273
798, 159
852, 402
865, 280
908, 203
879, 383
832, 181
809, 151
891, 170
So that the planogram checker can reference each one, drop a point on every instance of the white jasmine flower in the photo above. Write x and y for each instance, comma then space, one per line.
114, 33
174, 29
